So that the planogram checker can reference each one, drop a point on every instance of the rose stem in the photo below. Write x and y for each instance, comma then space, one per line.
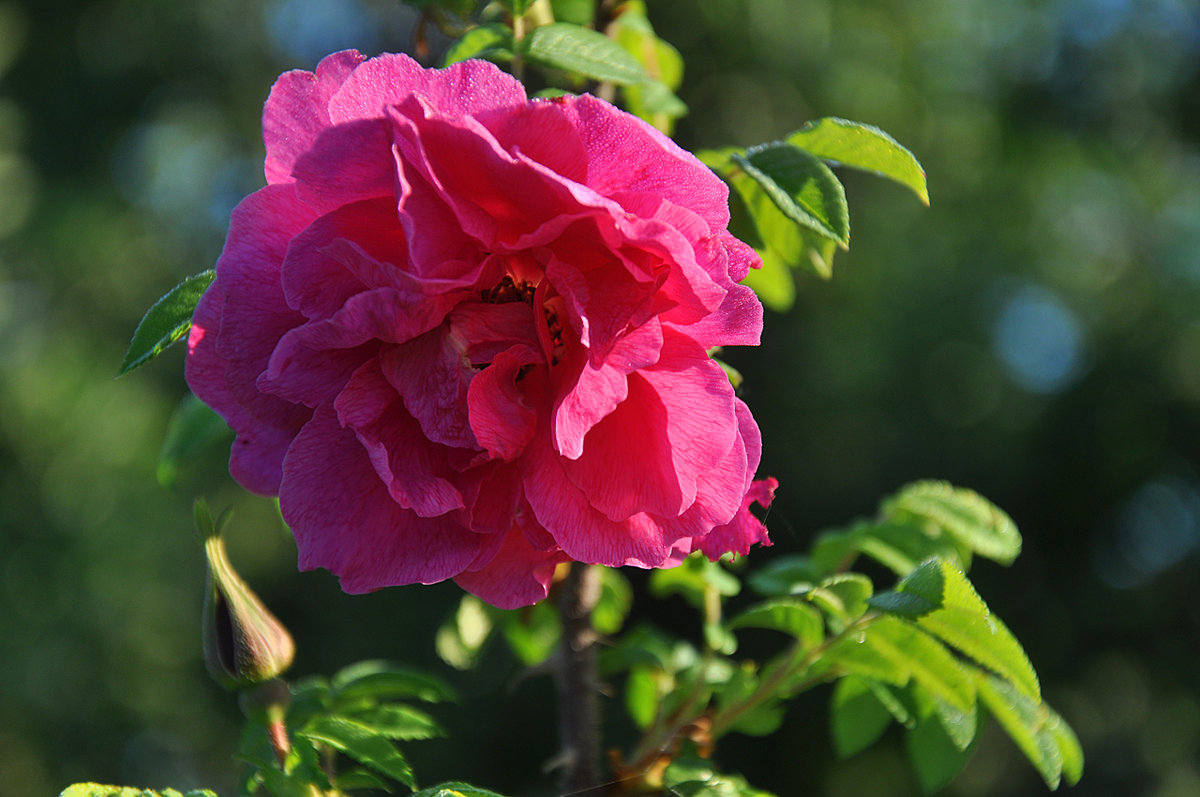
576, 675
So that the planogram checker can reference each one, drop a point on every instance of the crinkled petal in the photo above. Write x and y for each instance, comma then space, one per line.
745, 530
628, 155
502, 419
407, 462
345, 521
518, 575
298, 110
467, 88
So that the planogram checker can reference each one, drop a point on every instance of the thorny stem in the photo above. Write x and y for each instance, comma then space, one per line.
579, 707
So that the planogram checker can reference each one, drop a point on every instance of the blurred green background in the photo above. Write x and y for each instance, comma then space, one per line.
1034, 334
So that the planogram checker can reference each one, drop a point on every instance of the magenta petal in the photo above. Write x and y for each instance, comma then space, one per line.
598, 389
256, 460
518, 575
403, 457
626, 154
585, 534
463, 89
745, 530
503, 421
430, 374
297, 111
347, 163
345, 521
317, 274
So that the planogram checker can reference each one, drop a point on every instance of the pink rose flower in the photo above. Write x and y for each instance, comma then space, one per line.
462, 334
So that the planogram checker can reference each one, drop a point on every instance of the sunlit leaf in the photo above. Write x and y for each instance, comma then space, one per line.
642, 695
693, 579
940, 599
963, 514
616, 598
167, 321
98, 790
801, 186
792, 616
455, 790
461, 637
532, 633
584, 52
381, 680
362, 744
862, 147
1031, 726
485, 41
784, 575
401, 722
857, 717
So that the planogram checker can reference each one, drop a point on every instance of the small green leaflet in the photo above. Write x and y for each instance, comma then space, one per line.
961, 514
361, 743
864, 147
792, 616
948, 607
97, 790
486, 41
167, 320
1043, 737
801, 186
585, 52
456, 790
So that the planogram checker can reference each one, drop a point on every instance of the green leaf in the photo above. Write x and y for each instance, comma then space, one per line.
857, 717
98, 790
896, 652
962, 514
485, 41
692, 579
843, 596
616, 598
902, 546
642, 695
785, 575
801, 186
954, 613
1033, 727
583, 52
456, 790
862, 147
579, 12
167, 320
691, 776
381, 680
461, 638
783, 241
1068, 746
935, 757
362, 744
192, 428
398, 721
790, 615
532, 633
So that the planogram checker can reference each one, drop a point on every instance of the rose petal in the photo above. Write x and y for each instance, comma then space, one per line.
298, 110
345, 521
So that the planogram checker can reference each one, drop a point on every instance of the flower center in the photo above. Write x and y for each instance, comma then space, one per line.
509, 290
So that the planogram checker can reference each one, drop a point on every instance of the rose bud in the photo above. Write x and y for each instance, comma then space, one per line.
244, 644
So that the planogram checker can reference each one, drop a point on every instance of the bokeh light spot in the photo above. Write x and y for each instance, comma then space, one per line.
1039, 340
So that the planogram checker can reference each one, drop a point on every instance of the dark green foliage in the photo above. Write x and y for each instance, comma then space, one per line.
166, 322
